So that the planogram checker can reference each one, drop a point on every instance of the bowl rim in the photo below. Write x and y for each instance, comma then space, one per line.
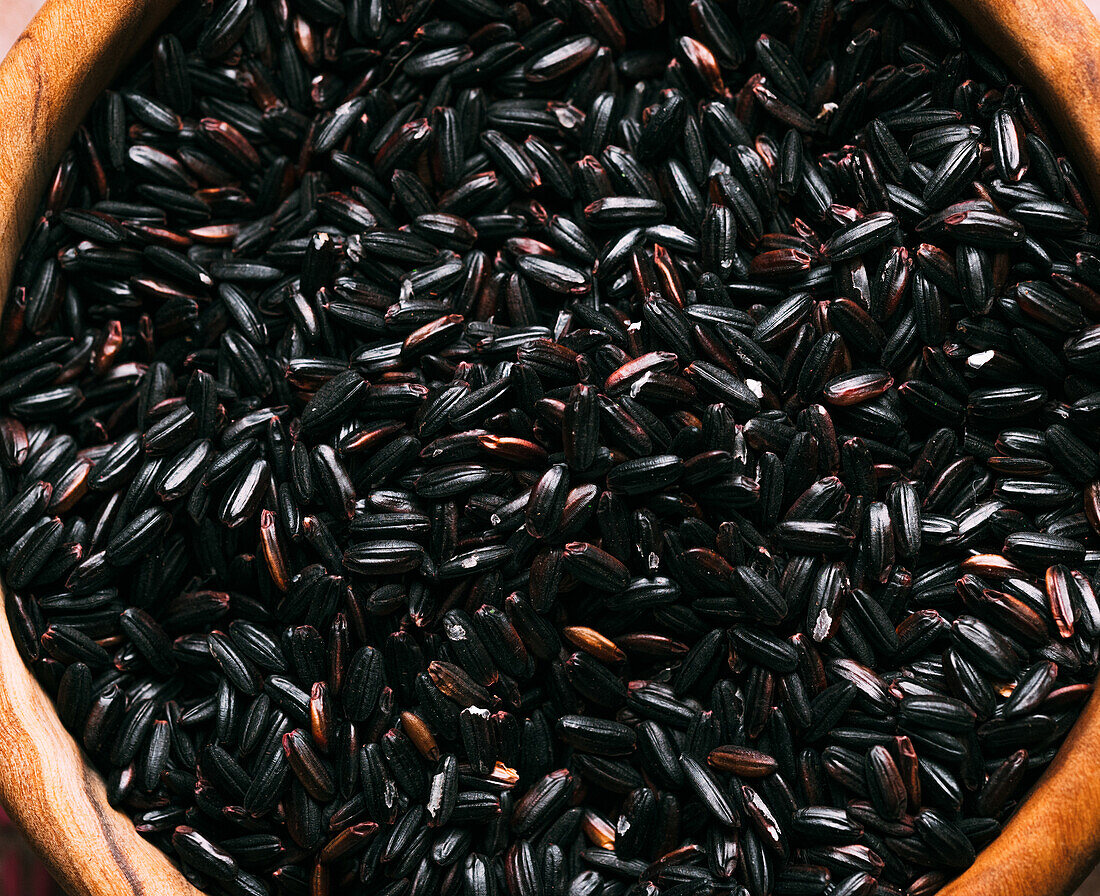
48, 80
66, 55
1052, 841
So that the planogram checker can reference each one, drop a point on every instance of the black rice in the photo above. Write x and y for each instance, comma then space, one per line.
585, 447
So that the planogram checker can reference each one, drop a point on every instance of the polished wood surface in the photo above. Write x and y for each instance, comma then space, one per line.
54, 70
1053, 841
1054, 47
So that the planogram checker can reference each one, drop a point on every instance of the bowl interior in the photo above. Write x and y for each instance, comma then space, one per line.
47, 83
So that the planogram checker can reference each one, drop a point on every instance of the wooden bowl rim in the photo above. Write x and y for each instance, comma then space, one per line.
66, 55
64, 58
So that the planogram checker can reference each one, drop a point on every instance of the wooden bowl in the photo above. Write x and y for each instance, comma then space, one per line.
67, 55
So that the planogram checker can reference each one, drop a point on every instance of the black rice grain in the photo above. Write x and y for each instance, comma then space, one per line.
444, 450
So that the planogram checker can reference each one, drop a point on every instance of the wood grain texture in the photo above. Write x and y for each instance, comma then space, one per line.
56, 68
1054, 47
64, 58
1053, 841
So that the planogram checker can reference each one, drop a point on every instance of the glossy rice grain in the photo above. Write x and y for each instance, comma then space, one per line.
549, 448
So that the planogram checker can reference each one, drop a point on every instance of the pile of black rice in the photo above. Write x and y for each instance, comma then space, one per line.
559, 448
